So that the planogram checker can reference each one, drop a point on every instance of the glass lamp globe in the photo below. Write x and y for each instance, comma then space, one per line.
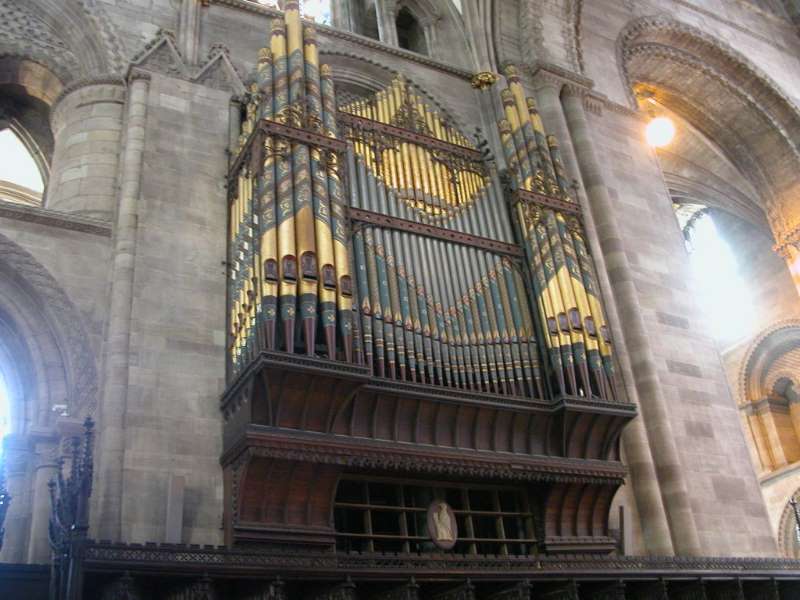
659, 132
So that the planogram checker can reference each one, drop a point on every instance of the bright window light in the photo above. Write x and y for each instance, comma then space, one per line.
659, 132
722, 291
5, 417
319, 9
17, 165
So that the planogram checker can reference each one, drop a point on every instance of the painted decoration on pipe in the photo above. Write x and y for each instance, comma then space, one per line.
289, 281
434, 308
547, 217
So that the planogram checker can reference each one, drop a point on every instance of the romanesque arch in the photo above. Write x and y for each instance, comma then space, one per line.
72, 37
49, 372
726, 98
54, 365
756, 378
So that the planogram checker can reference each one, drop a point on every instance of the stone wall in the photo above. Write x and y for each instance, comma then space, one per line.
703, 417
172, 423
176, 345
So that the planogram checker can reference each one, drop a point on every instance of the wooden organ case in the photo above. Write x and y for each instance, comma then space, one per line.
406, 330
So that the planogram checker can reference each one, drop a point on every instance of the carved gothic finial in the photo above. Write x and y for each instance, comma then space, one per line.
484, 80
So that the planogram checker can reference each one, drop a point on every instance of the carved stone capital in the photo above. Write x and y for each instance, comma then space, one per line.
550, 75
543, 80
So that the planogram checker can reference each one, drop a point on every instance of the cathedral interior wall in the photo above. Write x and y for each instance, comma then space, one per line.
172, 424
178, 316
703, 418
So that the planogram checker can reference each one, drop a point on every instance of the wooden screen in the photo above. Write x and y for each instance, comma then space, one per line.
386, 515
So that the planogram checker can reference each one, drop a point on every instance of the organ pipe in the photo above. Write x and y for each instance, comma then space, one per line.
288, 245
385, 227
568, 304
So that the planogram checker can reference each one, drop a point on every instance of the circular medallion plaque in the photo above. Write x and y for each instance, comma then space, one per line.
442, 526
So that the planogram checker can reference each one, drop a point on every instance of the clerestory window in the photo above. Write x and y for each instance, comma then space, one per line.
410, 33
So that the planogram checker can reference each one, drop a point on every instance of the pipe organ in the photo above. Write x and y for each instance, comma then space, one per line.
434, 309
576, 337
395, 308
289, 263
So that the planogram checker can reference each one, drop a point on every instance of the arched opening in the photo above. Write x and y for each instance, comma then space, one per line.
788, 529
27, 91
771, 411
20, 178
410, 33
738, 282
712, 86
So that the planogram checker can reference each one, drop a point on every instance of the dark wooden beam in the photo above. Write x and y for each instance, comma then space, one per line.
359, 215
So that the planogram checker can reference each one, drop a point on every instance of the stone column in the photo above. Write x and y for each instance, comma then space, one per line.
189, 30
386, 11
646, 491
653, 407
46, 469
341, 15
429, 28
87, 123
117, 347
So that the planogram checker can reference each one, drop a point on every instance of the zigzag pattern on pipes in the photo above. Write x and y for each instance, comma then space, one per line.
290, 268
569, 307
439, 186
438, 312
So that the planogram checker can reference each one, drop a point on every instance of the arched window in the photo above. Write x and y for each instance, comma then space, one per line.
20, 178
410, 34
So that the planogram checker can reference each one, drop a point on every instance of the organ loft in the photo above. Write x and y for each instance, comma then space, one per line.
383, 299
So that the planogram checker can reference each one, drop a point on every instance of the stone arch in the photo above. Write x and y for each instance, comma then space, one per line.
27, 91
73, 38
50, 355
725, 97
769, 344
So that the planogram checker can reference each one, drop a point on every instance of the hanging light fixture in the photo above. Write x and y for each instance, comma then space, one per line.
660, 131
